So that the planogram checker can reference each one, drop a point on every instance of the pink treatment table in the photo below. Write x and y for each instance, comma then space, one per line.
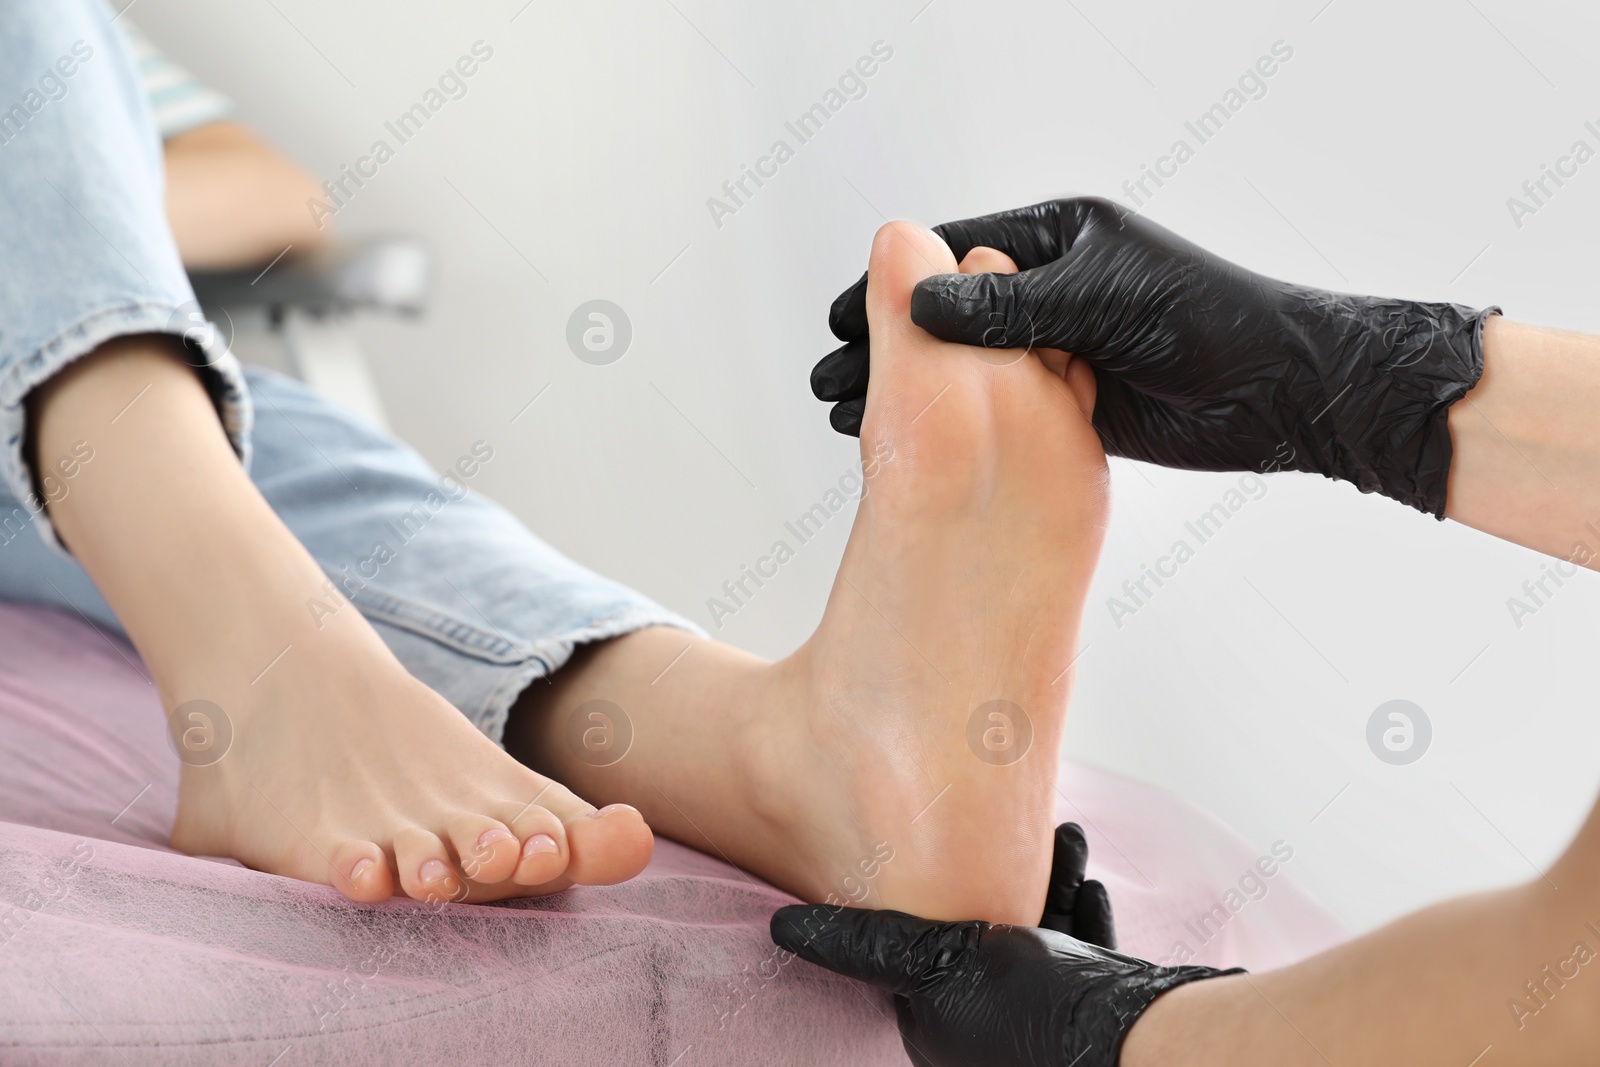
116, 950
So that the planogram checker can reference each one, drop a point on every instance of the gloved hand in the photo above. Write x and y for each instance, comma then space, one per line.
1199, 364
971, 994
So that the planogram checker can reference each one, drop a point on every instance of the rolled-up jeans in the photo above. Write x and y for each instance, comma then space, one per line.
471, 602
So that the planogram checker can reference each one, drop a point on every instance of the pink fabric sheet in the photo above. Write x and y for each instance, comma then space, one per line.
115, 949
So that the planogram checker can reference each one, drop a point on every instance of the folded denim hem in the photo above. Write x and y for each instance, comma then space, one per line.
552, 653
222, 374
484, 686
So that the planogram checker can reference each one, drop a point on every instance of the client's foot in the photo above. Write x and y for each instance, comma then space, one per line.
905, 756
336, 766
936, 687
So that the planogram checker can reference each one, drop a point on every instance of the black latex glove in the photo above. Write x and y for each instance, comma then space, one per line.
1200, 364
972, 994
1074, 906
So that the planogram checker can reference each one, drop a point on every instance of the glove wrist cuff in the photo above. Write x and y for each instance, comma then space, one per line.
1111, 1007
1392, 433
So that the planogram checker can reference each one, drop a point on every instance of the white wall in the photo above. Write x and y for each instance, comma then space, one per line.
1380, 160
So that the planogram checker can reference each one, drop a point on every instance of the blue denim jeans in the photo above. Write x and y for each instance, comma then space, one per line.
470, 601
87, 252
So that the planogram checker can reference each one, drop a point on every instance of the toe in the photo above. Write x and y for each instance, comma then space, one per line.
608, 846
360, 872
543, 861
986, 260
596, 847
903, 254
543, 854
486, 849
1081, 381
424, 866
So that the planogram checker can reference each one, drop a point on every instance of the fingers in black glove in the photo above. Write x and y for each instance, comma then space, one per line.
1026, 234
1088, 279
841, 376
848, 316
1073, 906
1092, 919
842, 373
1031, 236
846, 416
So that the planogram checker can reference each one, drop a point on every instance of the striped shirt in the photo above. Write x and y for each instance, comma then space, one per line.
178, 101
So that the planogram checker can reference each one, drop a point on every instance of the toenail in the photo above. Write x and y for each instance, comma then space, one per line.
539, 844
433, 871
609, 808
360, 870
487, 839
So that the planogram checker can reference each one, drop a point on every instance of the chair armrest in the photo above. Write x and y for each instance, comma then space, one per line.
375, 273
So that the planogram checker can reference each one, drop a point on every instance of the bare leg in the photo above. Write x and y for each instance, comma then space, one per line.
1514, 972
342, 768
964, 584
948, 637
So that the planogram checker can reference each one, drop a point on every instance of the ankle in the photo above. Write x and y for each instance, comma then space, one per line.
793, 779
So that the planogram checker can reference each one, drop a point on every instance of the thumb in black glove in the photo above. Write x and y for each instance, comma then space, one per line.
972, 994
1200, 364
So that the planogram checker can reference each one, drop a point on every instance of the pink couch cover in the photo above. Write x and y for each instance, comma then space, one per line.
116, 950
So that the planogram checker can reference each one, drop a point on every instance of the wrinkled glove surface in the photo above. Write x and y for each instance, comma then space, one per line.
1200, 364
972, 994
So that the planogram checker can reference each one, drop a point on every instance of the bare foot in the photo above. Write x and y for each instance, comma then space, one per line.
905, 756
307, 750
939, 678
343, 769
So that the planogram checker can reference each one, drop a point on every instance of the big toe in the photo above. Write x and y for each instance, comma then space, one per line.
597, 847
903, 254
985, 260
608, 846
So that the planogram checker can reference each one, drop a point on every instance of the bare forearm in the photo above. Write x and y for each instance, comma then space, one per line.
1438, 988
1526, 463
233, 200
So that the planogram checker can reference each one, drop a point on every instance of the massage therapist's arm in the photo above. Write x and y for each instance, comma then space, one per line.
1204, 365
1525, 447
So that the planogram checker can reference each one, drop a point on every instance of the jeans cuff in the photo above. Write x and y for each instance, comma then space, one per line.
204, 349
